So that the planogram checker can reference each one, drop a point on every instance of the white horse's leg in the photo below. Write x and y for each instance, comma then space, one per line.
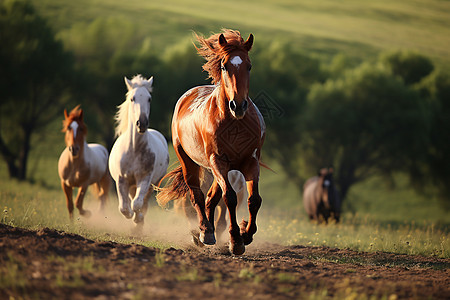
142, 189
124, 199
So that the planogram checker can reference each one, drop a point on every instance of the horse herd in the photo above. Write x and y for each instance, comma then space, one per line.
217, 134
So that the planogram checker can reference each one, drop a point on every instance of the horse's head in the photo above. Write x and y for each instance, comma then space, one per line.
139, 96
326, 181
228, 64
75, 129
235, 69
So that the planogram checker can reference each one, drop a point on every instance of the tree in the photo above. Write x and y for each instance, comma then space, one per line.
435, 171
280, 80
34, 81
410, 66
367, 122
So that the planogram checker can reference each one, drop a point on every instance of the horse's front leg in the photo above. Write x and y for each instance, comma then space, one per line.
79, 201
69, 198
123, 188
220, 171
248, 229
140, 201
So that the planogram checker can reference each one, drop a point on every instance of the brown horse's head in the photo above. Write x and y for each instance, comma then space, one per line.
324, 185
228, 63
75, 130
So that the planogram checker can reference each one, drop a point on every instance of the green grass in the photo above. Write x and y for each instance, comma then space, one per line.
377, 217
359, 29
391, 219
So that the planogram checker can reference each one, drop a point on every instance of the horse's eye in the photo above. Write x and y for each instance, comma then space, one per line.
222, 67
249, 68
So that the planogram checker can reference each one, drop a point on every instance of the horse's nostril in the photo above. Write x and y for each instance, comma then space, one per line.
138, 123
232, 105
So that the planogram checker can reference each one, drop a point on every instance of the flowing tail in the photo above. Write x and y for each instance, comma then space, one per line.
175, 188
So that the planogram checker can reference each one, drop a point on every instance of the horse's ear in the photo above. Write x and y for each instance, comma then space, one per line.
150, 82
128, 83
65, 113
249, 42
81, 114
222, 40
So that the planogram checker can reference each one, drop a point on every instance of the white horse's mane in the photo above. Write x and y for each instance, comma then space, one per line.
121, 116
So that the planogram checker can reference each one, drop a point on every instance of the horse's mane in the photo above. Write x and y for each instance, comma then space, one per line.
74, 115
121, 116
213, 53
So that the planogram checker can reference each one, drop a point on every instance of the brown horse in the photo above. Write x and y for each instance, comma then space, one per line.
82, 164
320, 197
219, 128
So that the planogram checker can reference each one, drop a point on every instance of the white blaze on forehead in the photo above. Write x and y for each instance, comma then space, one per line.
236, 61
74, 126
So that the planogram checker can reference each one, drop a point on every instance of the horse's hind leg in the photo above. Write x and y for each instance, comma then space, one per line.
214, 196
103, 190
184, 206
69, 200
191, 173
221, 222
79, 201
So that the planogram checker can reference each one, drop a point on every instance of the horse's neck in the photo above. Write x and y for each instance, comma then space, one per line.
133, 137
221, 100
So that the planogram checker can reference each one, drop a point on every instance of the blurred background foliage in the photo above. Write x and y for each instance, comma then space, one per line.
356, 104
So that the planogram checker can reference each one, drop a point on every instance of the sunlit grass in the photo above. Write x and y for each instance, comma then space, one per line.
376, 217
360, 233
31, 206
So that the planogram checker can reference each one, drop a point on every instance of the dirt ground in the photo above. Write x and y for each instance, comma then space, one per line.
50, 264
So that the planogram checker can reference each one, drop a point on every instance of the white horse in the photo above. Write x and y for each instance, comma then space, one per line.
140, 156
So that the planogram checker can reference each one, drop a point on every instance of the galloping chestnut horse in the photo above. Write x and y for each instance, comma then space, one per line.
219, 128
82, 164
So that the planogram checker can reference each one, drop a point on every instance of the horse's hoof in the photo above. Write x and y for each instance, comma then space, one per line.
247, 238
196, 239
138, 229
237, 248
85, 213
126, 213
138, 218
207, 238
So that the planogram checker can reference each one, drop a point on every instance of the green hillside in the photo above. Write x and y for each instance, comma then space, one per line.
359, 29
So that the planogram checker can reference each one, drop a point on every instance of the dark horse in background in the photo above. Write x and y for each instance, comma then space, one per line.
321, 198
218, 128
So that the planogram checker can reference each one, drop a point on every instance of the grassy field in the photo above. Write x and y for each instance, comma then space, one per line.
376, 217
359, 29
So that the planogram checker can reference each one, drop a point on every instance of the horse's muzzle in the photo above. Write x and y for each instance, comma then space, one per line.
238, 110
142, 124
74, 150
